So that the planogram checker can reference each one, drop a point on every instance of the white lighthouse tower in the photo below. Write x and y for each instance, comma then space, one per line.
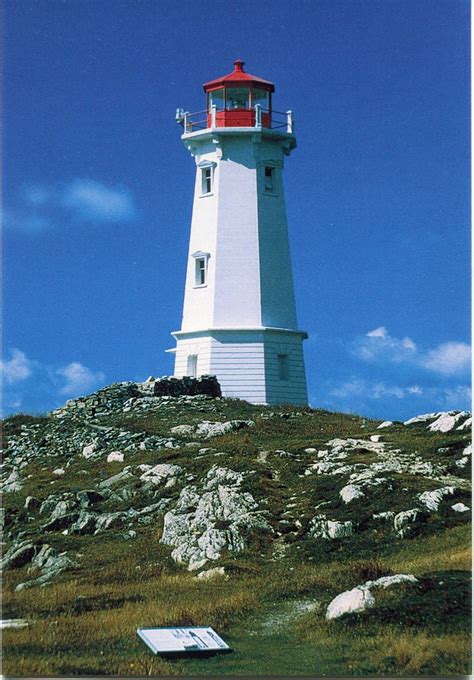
239, 316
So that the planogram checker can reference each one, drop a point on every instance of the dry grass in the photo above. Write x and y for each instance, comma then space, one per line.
414, 654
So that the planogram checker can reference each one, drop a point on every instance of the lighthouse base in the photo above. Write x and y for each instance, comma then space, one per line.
261, 366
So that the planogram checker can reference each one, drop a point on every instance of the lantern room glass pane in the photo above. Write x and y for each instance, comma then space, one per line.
215, 98
238, 98
261, 97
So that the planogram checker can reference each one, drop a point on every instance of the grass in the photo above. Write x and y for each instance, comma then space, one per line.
85, 622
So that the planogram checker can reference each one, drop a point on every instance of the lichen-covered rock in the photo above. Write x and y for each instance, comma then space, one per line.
432, 499
159, 474
203, 525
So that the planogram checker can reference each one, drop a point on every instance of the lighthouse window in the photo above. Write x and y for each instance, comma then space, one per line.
216, 98
201, 271
283, 372
261, 97
206, 180
269, 178
237, 98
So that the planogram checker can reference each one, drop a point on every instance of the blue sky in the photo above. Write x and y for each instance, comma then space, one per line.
98, 190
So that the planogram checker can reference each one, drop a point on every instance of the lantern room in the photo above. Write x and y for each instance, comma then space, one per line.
240, 99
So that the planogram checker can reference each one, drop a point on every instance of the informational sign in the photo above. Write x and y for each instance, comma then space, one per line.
184, 641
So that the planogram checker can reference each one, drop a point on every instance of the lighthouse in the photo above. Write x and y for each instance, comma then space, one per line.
239, 316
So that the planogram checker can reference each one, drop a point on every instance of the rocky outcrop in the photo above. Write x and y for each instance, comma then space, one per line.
443, 421
205, 524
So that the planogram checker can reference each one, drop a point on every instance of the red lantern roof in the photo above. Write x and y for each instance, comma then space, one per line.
237, 78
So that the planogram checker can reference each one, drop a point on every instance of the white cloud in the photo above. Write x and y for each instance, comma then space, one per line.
91, 200
450, 358
38, 195
380, 332
78, 378
378, 346
357, 387
458, 397
18, 368
82, 200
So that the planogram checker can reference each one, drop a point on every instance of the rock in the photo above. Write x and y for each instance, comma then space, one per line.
403, 519
203, 525
109, 520
218, 476
389, 581
432, 499
447, 421
89, 450
88, 497
158, 474
375, 437
85, 523
115, 456
50, 564
466, 425
422, 418
117, 480
386, 423
321, 527
386, 516
31, 503
460, 507
61, 522
350, 602
182, 429
443, 421
208, 574
361, 598
209, 429
12, 483
19, 555
350, 493
59, 472
61, 509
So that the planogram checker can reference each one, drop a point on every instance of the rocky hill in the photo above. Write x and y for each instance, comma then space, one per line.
342, 541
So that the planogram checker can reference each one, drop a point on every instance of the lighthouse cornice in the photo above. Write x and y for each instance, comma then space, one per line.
194, 140
239, 329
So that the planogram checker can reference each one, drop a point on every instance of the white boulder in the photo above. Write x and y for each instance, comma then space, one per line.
386, 423
460, 507
89, 450
351, 492
350, 602
115, 456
